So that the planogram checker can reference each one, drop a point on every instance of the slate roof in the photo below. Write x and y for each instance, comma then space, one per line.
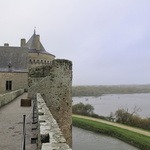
31, 45
13, 59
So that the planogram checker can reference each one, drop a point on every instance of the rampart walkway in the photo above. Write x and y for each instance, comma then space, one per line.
11, 125
115, 124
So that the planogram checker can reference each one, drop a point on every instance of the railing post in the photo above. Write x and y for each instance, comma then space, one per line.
34, 109
24, 132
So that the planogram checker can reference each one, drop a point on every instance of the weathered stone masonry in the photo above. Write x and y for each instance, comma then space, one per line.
55, 86
50, 136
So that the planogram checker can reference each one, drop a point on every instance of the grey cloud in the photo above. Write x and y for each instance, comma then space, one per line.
107, 40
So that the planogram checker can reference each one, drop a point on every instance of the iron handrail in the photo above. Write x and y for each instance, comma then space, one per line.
24, 122
24, 133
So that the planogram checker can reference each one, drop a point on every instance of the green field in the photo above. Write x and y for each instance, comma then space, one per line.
133, 138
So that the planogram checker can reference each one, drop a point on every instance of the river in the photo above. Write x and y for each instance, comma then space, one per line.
87, 140
106, 104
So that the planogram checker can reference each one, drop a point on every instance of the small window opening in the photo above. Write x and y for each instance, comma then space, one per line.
8, 85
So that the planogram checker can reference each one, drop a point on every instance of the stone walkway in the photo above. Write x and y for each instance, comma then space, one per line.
11, 126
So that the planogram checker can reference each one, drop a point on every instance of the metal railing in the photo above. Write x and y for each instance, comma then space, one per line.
34, 121
24, 133
34, 117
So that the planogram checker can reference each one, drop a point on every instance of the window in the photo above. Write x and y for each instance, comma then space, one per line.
8, 85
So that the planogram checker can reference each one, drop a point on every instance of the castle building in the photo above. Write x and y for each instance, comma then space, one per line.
15, 63
31, 67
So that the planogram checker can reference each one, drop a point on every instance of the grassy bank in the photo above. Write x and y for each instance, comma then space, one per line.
133, 138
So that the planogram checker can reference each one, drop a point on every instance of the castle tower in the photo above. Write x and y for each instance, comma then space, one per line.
38, 56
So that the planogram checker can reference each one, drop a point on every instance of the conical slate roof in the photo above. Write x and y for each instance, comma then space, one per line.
31, 45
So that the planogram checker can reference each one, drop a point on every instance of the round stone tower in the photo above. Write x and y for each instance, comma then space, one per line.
37, 55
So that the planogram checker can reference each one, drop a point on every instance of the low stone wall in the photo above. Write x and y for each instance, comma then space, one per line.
50, 136
8, 97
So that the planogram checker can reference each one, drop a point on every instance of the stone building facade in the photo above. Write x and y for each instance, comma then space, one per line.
13, 69
16, 61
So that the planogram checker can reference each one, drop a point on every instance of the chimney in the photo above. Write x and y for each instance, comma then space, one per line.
23, 42
37, 42
6, 45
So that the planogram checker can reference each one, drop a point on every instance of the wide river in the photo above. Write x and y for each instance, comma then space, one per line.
87, 140
106, 104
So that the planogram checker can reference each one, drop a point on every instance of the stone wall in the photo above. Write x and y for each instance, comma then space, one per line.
56, 90
50, 135
39, 59
8, 97
19, 81
33, 81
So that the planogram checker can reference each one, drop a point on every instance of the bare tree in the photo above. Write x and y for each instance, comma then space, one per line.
124, 116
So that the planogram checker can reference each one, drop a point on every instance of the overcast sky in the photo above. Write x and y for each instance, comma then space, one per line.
108, 41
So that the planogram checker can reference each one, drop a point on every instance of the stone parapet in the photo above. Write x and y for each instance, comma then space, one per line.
8, 97
50, 136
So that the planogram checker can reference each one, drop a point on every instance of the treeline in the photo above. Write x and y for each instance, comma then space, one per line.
121, 115
116, 89
86, 110
124, 117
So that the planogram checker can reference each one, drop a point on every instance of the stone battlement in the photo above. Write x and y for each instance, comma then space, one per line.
47, 70
50, 136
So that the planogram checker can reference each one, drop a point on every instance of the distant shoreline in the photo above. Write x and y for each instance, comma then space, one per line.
114, 89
